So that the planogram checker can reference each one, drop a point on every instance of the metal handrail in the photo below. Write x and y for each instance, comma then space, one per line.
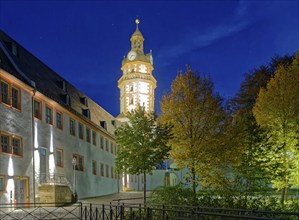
55, 179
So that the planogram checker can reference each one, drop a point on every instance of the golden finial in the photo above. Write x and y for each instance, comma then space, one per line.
137, 22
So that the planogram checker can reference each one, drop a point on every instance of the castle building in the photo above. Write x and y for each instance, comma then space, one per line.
54, 140
137, 83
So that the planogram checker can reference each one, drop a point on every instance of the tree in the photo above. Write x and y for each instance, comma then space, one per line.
143, 143
198, 121
277, 110
255, 167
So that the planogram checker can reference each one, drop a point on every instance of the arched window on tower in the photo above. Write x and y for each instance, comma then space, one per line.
131, 101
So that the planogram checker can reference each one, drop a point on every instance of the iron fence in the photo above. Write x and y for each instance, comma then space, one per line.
41, 211
122, 211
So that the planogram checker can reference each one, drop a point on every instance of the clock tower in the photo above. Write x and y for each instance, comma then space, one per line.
137, 83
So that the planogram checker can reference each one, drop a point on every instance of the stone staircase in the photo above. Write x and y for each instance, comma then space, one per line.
55, 188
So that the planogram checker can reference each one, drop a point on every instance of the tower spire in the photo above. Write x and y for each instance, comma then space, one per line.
137, 21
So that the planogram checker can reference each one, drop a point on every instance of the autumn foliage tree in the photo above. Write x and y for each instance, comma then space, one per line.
143, 143
254, 167
198, 121
277, 111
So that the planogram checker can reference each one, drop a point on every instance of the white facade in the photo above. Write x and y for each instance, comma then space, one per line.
44, 124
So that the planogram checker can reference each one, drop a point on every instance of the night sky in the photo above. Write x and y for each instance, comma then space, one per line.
85, 41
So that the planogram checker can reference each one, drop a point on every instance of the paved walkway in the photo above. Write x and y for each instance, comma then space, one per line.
123, 197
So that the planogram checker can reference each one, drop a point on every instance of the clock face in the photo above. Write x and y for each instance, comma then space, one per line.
132, 55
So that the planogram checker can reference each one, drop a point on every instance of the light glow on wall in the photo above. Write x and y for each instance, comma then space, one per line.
10, 189
51, 156
37, 163
10, 170
35, 135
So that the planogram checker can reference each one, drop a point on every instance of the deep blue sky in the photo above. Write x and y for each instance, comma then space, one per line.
85, 41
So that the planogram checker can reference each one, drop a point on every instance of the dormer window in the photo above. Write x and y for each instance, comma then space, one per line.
103, 124
86, 113
84, 101
66, 99
62, 85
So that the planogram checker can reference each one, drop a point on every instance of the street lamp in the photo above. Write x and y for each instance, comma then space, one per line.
74, 162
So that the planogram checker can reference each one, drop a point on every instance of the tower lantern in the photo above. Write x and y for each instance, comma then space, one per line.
137, 84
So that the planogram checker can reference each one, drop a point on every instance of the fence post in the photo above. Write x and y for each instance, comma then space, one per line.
103, 212
96, 213
111, 212
81, 210
90, 211
163, 211
148, 213
122, 212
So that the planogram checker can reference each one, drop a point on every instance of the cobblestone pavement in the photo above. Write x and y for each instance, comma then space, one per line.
123, 197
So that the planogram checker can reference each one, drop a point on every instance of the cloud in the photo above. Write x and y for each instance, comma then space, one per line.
194, 40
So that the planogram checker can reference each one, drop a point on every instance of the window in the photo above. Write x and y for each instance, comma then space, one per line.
107, 145
1, 184
5, 144
59, 120
88, 134
37, 109
102, 142
11, 144
5, 92
80, 162
131, 88
107, 171
16, 146
131, 101
59, 157
49, 118
72, 127
94, 138
10, 95
94, 167
80, 128
111, 147
112, 172
102, 169
15, 98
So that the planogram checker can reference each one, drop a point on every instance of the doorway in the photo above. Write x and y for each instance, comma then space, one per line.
21, 190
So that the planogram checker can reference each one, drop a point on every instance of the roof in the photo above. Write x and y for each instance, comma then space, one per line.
30, 70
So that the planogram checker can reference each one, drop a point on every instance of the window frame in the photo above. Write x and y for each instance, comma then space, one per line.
102, 170
81, 131
48, 117
107, 171
7, 92
8, 147
37, 114
72, 127
2, 179
61, 120
61, 157
102, 142
94, 137
87, 131
94, 167
10, 144
107, 144
18, 97
20, 148
79, 158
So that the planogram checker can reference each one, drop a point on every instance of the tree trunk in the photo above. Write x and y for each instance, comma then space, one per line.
144, 187
193, 183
